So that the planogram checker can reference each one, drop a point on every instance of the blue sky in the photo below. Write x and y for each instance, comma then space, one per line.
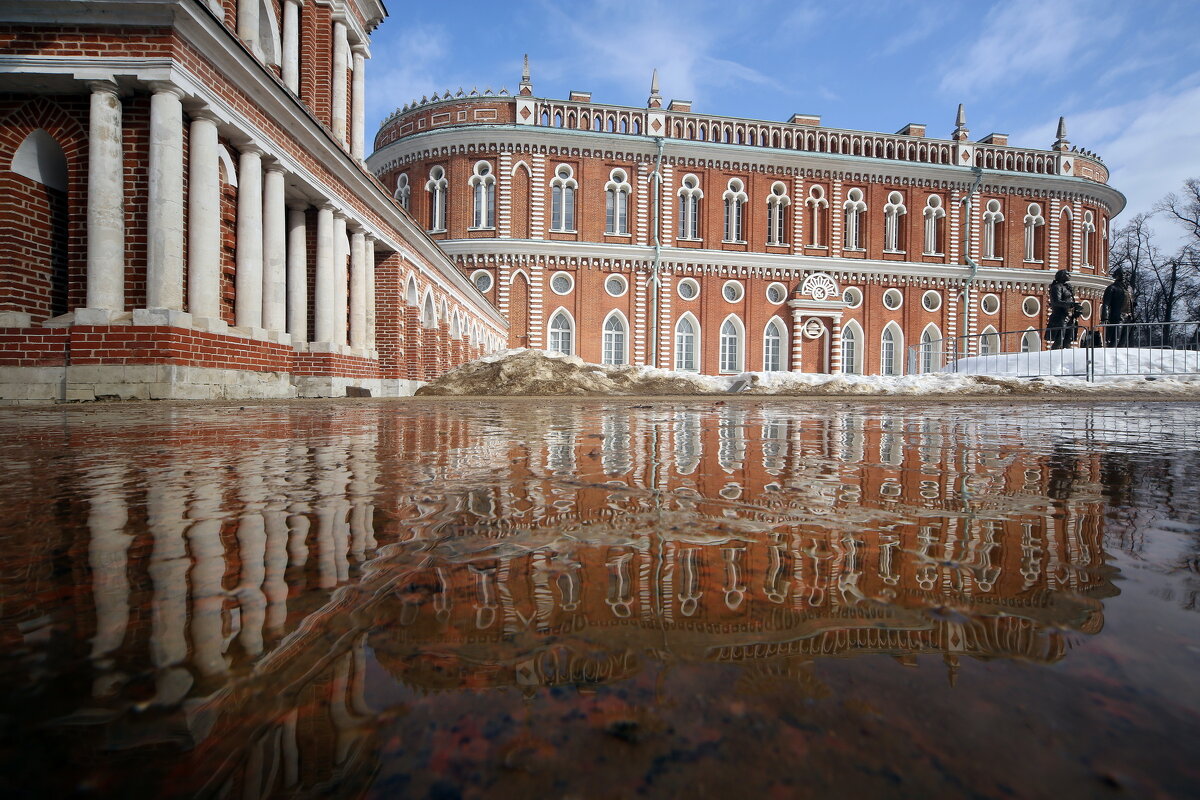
1125, 74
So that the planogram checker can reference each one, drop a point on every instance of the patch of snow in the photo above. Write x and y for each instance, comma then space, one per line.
1109, 362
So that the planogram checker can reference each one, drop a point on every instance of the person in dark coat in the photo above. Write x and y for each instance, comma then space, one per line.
1062, 307
1117, 309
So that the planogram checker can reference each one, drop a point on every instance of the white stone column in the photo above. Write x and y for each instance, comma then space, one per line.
274, 251
166, 504
247, 24
108, 548
105, 208
297, 275
370, 277
291, 45
358, 291
358, 100
204, 223
164, 240
340, 48
324, 322
249, 277
341, 286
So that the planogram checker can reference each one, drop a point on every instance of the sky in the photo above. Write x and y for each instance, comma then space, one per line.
1124, 73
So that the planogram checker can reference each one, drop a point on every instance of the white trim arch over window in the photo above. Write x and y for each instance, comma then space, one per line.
931, 358
483, 195
562, 199
687, 335
852, 348
735, 199
482, 279
853, 209
777, 206
732, 350
436, 186
891, 348
690, 195
411, 293
1031, 342
687, 289
615, 339
893, 239
560, 332
403, 190
1086, 229
429, 317
989, 341
775, 339
1033, 221
934, 213
616, 203
817, 204
992, 228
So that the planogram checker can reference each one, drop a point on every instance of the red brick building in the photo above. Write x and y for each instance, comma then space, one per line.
663, 236
184, 210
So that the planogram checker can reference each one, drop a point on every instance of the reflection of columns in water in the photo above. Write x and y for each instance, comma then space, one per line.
330, 507
208, 568
343, 721
275, 585
108, 547
689, 581
358, 678
798, 598
888, 545
620, 587
852, 570
569, 587
165, 506
443, 600
252, 551
735, 587
485, 596
291, 750
362, 487
775, 586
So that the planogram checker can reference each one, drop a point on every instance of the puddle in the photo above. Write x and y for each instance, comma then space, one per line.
766, 598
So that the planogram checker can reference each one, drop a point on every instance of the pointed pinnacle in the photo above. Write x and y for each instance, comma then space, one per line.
525, 70
654, 82
960, 121
1062, 128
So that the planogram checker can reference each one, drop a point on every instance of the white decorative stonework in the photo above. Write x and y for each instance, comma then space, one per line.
814, 329
819, 286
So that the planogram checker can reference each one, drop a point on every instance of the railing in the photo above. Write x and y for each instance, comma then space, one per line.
1147, 349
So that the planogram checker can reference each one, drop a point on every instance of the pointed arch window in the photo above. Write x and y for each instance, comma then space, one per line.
853, 210
429, 316
889, 351
989, 342
817, 204
993, 234
934, 213
436, 187
483, 194
1033, 238
731, 346
616, 203
685, 345
562, 199
690, 195
777, 205
773, 339
893, 230
930, 340
1066, 239
1086, 230
1030, 342
735, 198
851, 350
403, 190
561, 333
614, 340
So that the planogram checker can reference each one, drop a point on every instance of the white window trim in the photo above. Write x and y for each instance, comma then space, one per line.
778, 323
624, 336
569, 277
740, 330
696, 339
571, 324
691, 282
624, 284
741, 291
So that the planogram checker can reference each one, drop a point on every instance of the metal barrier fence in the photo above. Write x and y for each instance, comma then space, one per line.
1147, 349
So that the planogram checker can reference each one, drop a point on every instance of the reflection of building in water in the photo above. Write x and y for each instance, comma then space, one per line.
248, 567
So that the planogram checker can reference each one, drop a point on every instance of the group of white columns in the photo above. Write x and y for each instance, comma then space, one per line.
346, 58
271, 280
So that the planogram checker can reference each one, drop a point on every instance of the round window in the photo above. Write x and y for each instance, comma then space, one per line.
892, 299
852, 297
562, 283
688, 289
614, 285
1031, 306
1086, 311
931, 301
776, 293
732, 291
482, 280
990, 304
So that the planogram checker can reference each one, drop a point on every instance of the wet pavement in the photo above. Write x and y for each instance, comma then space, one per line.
752, 598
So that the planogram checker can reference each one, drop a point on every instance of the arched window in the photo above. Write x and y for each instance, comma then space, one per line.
561, 339
403, 190
889, 351
854, 208
852, 339
773, 349
731, 345
817, 204
436, 187
483, 192
1066, 239
562, 199
992, 233
893, 233
614, 339
429, 316
931, 342
1033, 238
1031, 342
690, 195
616, 203
777, 204
735, 200
934, 213
1086, 231
686, 333
989, 342
410, 293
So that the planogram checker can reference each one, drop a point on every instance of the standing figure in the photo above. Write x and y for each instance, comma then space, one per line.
1117, 309
1062, 304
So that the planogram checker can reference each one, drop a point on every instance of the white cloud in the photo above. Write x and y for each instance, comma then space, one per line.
413, 64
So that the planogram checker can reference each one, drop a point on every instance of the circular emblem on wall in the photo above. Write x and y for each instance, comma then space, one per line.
819, 286
814, 329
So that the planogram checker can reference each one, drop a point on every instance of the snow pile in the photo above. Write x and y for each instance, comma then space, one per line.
540, 373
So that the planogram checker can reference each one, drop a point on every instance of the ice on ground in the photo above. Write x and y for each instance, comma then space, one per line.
541, 373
